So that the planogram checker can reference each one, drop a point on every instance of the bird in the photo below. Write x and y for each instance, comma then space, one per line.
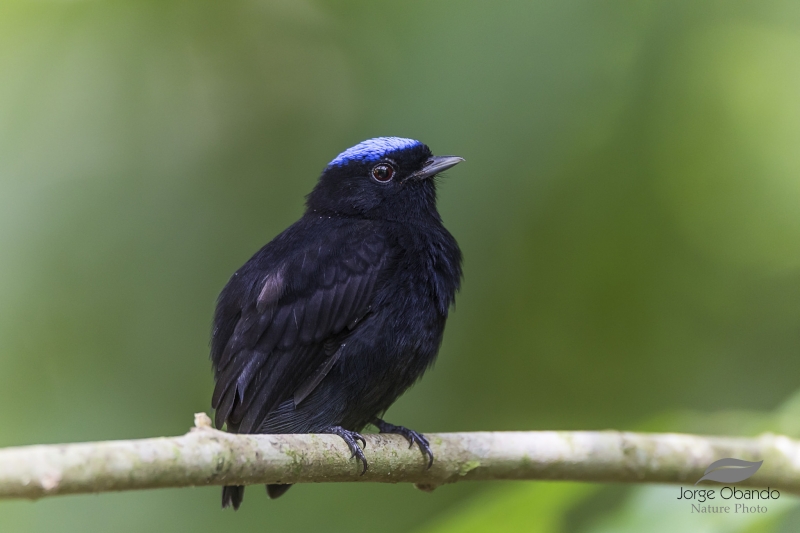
336, 317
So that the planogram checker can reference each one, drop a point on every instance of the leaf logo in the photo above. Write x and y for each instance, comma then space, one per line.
730, 470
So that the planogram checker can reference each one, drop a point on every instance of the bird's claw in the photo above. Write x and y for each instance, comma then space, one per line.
351, 438
411, 436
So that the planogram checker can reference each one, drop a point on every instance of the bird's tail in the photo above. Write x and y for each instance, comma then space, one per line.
232, 496
276, 491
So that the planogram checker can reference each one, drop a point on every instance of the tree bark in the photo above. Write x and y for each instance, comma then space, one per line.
205, 456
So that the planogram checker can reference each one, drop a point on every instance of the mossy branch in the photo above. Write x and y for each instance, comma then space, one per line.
205, 456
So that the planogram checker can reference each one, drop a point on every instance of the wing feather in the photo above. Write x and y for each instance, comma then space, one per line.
247, 331
347, 311
311, 319
283, 313
275, 332
293, 322
326, 314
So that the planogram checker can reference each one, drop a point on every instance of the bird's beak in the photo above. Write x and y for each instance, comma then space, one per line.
434, 165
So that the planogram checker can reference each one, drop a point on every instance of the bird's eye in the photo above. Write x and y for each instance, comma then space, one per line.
382, 172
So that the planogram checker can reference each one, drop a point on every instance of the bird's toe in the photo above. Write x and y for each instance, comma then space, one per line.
351, 438
411, 436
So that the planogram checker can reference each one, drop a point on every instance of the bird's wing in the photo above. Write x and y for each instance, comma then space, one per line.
280, 339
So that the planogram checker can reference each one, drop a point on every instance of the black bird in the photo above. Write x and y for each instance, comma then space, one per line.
328, 324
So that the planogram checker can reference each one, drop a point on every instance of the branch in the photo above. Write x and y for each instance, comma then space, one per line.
205, 456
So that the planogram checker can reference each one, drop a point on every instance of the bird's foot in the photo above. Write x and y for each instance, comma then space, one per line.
351, 438
412, 436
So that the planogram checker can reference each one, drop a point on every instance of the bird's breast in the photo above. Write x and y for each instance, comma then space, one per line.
427, 271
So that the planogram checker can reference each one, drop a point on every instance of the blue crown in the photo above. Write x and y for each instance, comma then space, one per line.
373, 149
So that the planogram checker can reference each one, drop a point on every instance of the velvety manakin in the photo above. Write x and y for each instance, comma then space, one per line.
328, 324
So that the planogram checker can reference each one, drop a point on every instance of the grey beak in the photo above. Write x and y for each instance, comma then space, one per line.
434, 165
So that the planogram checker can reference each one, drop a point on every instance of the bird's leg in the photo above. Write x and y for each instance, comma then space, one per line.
350, 438
410, 435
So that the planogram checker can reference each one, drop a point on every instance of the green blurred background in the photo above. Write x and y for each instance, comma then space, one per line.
629, 214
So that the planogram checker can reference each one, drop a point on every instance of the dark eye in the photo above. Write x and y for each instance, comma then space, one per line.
382, 172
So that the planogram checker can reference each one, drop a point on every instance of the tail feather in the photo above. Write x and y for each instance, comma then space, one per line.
276, 491
232, 496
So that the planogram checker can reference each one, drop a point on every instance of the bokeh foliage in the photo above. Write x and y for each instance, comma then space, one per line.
628, 213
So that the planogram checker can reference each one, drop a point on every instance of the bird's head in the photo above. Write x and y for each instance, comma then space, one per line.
384, 177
